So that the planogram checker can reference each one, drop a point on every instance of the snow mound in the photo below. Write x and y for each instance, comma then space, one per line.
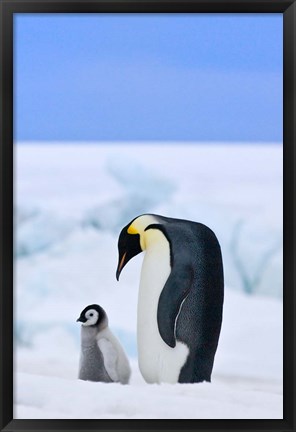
37, 231
142, 191
23, 213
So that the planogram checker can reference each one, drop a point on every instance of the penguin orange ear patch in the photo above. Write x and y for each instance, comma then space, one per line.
132, 230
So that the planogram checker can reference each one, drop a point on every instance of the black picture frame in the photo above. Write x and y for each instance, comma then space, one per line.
7, 9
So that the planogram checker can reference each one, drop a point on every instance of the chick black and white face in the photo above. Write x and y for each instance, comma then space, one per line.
92, 315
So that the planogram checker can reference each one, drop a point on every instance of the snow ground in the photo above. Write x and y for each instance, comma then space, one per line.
51, 397
246, 381
72, 201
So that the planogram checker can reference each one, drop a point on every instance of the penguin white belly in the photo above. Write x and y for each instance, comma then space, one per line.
158, 362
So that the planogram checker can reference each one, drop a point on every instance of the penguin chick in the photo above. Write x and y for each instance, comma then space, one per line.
102, 358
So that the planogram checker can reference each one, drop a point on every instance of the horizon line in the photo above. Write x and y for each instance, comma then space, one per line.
143, 142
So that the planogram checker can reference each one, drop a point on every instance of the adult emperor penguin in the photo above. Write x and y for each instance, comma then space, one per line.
102, 358
180, 297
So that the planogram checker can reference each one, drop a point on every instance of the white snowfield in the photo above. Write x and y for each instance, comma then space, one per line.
72, 201
51, 397
246, 382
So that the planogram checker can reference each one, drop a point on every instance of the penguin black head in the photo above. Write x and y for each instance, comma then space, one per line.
92, 315
128, 246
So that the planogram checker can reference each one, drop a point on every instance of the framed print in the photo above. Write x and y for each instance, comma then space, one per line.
147, 217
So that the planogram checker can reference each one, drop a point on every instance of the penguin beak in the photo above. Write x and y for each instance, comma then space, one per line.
81, 319
121, 264
128, 247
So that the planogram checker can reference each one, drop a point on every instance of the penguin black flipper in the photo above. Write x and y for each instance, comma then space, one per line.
170, 301
177, 285
190, 305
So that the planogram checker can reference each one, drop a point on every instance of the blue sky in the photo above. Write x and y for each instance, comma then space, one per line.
150, 77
